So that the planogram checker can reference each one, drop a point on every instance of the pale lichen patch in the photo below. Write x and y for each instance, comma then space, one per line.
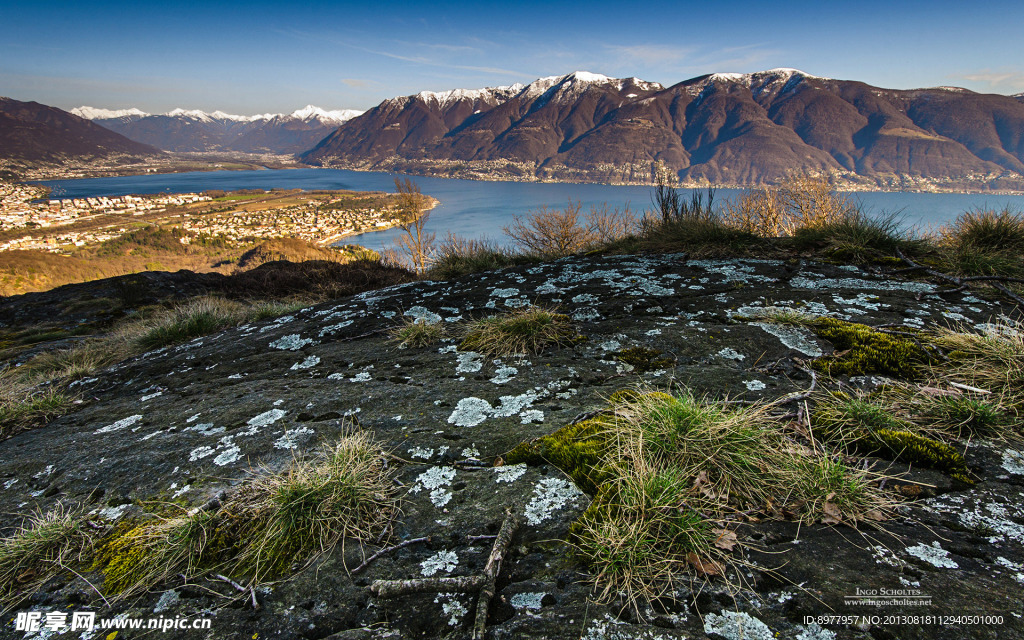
1013, 461
291, 438
737, 625
529, 600
444, 561
549, 495
120, 424
509, 473
308, 363
934, 555
292, 342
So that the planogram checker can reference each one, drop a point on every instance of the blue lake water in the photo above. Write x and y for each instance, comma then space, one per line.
478, 209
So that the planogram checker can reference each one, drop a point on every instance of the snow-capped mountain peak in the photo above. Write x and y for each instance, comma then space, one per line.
572, 84
307, 113
189, 113
444, 98
310, 112
94, 113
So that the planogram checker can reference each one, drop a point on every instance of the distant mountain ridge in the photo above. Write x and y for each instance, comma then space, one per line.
33, 134
183, 130
724, 128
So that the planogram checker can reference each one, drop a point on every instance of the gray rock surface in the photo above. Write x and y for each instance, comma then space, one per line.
187, 422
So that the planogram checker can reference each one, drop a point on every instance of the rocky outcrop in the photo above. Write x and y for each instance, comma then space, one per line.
187, 422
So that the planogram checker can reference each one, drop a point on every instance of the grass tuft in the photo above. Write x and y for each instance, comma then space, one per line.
992, 359
197, 317
292, 517
869, 427
272, 524
527, 330
22, 409
417, 333
984, 242
665, 471
458, 256
39, 550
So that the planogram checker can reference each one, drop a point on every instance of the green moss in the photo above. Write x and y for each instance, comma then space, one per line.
138, 555
863, 351
872, 429
644, 359
914, 448
576, 449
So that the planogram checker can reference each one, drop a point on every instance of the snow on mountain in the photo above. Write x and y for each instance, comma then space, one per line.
310, 112
445, 98
572, 84
307, 113
93, 113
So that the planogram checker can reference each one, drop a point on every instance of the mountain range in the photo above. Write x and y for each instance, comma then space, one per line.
724, 128
183, 130
33, 134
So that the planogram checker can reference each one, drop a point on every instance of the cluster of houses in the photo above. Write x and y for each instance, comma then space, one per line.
17, 208
310, 222
63, 242
23, 207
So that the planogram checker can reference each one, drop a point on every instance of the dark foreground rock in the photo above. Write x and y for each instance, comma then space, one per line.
188, 422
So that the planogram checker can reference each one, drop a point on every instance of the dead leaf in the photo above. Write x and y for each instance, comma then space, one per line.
874, 514
832, 513
703, 567
725, 539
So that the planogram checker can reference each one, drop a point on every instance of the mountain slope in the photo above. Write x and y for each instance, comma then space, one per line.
724, 128
32, 134
183, 130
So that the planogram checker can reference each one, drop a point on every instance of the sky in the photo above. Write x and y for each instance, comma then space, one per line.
260, 57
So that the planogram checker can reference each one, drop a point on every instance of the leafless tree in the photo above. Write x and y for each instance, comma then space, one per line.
417, 244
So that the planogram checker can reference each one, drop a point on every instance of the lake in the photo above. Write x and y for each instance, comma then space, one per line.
478, 209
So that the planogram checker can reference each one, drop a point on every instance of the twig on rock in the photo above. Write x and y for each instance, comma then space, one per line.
484, 584
797, 397
381, 552
229, 581
961, 283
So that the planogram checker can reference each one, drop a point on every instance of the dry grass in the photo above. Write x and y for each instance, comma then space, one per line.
273, 524
23, 407
679, 467
197, 317
992, 360
417, 333
295, 516
39, 550
526, 330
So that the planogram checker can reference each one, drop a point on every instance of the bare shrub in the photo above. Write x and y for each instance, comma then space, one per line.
553, 233
802, 201
758, 211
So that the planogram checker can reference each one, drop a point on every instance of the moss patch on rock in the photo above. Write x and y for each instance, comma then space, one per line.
861, 350
644, 359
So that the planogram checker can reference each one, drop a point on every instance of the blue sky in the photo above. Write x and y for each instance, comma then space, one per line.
257, 57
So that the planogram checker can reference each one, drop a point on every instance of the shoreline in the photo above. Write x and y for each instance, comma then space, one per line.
492, 178
330, 240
